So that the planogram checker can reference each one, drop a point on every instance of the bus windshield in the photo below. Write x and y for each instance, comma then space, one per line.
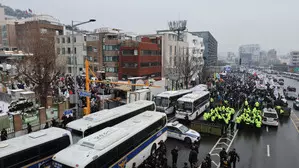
162, 101
77, 135
185, 106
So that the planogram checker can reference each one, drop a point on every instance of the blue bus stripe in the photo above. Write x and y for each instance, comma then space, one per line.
141, 147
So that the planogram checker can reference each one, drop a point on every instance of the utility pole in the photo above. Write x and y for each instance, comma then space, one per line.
75, 64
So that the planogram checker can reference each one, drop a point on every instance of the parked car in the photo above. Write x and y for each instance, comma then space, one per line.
290, 95
270, 117
280, 82
291, 89
181, 132
296, 104
274, 80
280, 79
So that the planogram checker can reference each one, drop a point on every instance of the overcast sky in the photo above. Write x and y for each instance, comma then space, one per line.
270, 23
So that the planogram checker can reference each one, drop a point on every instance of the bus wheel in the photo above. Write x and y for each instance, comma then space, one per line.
187, 140
153, 150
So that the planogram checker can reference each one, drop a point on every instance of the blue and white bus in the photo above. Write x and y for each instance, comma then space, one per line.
94, 122
34, 150
128, 142
192, 105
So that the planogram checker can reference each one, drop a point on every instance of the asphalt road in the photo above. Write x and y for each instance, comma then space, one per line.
270, 148
207, 142
273, 147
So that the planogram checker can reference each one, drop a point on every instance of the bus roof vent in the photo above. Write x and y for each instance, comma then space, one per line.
147, 115
35, 135
3, 145
136, 121
106, 142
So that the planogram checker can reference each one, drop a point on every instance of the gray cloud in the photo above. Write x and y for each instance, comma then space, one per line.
270, 23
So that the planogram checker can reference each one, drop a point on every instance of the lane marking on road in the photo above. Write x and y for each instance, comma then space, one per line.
223, 143
268, 150
267, 128
295, 124
214, 163
218, 148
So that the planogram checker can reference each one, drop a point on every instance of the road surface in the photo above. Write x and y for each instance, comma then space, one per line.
273, 147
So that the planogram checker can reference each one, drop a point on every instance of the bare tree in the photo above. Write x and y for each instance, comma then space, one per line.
188, 66
41, 66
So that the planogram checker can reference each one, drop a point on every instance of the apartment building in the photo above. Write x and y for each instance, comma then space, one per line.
63, 46
141, 57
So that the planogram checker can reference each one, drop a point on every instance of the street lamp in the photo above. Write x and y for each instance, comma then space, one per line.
75, 60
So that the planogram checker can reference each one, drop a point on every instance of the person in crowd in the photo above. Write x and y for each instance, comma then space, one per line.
185, 165
196, 145
3, 134
209, 161
223, 156
134, 165
29, 128
193, 158
46, 126
174, 153
234, 157
64, 121
54, 123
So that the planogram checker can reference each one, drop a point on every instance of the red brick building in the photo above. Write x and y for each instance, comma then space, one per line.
140, 58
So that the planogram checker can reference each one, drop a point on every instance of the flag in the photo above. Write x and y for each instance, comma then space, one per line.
30, 10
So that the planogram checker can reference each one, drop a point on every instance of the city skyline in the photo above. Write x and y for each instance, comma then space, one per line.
232, 23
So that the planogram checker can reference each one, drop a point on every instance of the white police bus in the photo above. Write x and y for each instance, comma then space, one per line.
166, 101
128, 142
34, 150
94, 122
192, 105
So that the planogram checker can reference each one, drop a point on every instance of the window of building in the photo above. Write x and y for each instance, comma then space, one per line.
69, 60
69, 50
58, 50
43, 30
57, 40
89, 48
170, 61
85, 38
110, 58
150, 53
68, 40
75, 49
111, 47
95, 59
74, 39
63, 50
175, 50
128, 52
170, 50
69, 69
111, 69
150, 64
63, 40
129, 65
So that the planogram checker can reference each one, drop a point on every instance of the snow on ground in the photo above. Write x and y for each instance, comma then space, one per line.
3, 107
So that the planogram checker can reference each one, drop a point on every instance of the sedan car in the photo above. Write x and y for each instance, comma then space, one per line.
296, 104
179, 131
280, 82
270, 117
291, 89
291, 95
